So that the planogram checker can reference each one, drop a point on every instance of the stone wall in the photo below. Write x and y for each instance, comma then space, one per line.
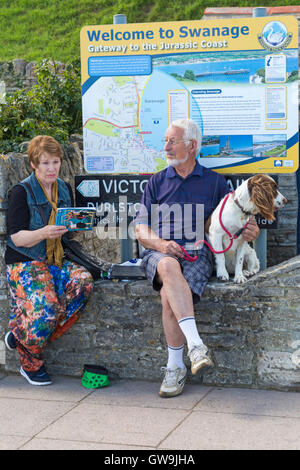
19, 73
252, 331
282, 242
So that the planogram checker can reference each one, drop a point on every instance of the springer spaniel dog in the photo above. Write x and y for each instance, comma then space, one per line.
256, 195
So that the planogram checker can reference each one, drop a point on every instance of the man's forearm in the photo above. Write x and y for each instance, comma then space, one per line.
148, 238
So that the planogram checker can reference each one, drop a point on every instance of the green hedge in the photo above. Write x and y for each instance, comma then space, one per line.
51, 107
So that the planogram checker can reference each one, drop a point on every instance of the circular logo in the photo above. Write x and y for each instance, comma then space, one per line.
274, 34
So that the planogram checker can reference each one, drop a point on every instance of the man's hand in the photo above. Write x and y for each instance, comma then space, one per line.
171, 248
251, 232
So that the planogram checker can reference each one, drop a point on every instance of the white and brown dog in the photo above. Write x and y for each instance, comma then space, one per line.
256, 195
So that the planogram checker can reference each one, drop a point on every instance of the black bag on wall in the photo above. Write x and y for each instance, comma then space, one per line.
74, 251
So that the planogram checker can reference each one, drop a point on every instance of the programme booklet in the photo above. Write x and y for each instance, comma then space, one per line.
76, 218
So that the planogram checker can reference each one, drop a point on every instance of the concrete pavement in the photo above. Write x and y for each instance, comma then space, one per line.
129, 415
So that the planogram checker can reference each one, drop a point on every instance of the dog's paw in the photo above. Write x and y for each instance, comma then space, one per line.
239, 279
247, 273
250, 272
223, 275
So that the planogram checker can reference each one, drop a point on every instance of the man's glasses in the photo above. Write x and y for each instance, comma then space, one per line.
174, 141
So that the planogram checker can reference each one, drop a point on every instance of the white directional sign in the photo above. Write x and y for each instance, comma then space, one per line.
89, 188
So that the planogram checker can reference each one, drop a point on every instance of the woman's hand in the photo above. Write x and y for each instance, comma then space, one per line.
29, 238
54, 231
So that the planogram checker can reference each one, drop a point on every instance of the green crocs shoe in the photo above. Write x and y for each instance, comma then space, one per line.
94, 376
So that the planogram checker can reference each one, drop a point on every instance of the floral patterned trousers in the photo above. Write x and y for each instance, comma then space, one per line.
46, 301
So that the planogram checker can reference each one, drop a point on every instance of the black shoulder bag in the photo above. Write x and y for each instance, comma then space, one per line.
74, 251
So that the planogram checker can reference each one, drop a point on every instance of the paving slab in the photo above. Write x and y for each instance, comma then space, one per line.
145, 394
24, 417
256, 402
11, 442
115, 425
55, 444
224, 431
67, 389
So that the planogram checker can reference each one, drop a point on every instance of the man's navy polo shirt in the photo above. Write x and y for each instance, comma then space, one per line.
202, 186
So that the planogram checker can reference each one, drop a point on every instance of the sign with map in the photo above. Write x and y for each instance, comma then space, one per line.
238, 79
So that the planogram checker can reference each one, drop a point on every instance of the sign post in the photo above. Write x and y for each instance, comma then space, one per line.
260, 245
126, 243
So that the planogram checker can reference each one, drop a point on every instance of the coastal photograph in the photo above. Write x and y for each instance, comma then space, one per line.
210, 146
236, 146
236, 67
269, 145
228, 146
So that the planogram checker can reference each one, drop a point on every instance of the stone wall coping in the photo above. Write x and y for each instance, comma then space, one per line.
265, 278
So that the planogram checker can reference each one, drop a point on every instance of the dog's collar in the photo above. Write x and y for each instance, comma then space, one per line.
241, 207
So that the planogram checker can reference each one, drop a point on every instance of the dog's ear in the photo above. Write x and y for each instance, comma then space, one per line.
207, 224
262, 190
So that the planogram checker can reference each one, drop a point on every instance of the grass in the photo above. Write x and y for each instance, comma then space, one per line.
37, 29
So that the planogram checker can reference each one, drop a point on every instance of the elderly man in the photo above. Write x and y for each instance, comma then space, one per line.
180, 281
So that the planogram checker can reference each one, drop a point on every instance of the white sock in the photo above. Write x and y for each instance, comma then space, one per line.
175, 357
189, 329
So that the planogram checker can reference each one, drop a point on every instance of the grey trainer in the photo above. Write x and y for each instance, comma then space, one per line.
173, 382
199, 358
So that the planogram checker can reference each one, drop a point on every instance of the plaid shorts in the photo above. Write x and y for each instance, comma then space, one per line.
196, 273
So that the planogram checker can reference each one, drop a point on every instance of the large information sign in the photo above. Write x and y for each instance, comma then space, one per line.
238, 79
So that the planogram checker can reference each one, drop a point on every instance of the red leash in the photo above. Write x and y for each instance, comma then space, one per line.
187, 257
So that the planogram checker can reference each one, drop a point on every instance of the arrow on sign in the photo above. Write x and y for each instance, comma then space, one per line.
89, 188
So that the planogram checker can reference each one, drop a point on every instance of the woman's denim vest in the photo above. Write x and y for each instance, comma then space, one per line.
38, 252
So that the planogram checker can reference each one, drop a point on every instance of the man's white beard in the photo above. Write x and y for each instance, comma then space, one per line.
173, 162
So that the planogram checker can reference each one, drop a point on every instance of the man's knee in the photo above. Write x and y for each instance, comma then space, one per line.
168, 267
